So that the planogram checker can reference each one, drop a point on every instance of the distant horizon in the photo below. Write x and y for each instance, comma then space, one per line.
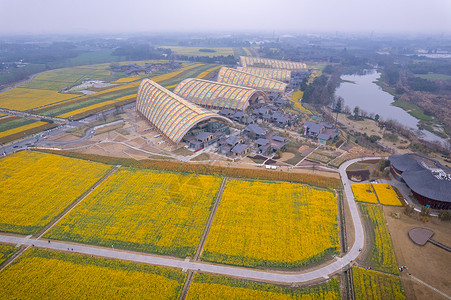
289, 16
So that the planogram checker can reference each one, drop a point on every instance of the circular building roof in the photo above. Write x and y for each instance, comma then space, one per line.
423, 179
170, 113
241, 78
247, 61
215, 94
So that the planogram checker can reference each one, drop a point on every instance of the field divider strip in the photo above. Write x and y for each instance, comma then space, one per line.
374, 191
188, 281
200, 248
13, 257
76, 202
429, 286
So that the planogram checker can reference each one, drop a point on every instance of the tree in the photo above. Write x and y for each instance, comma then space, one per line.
376, 117
363, 113
356, 112
347, 110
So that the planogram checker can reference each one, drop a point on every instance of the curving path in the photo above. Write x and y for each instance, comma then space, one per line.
283, 277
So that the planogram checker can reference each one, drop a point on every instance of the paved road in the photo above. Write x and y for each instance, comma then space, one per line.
285, 277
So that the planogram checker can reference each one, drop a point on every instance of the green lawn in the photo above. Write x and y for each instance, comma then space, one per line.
434, 76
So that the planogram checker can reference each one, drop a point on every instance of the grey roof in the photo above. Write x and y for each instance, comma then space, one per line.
225, 112
262, 141
203, 135
232, 140
404, 162
238, 114
420, 179
239, 148
323, 136
278, 138
314, 127
282, 119
255, 129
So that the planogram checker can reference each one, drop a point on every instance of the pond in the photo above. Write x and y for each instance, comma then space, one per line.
362, 91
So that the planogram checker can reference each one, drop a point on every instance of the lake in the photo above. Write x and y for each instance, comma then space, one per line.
367, 95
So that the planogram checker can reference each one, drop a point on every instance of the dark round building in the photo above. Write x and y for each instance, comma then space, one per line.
429, 180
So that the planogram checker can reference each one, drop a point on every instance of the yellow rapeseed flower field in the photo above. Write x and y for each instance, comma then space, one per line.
295, 97
374, 285
96, 106
206, 286
386, 194
37, 187
21, 128
167, 76
127, 79
24, 99
42, 274
382, 256
144, 210
262, 224
363, 193
205, 73
6, 251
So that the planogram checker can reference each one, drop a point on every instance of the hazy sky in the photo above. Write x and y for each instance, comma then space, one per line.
103, 16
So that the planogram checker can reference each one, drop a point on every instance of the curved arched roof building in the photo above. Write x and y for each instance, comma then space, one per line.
217, 95
170, 113
236, 77
429, 181
247, 61
277, 74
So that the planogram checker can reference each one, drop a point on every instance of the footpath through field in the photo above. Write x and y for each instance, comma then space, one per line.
337, 264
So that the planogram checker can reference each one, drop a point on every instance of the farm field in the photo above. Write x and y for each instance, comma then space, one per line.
386, 194
12, 128
207, 74
194, 51
295, 97
143, 210
6, 251
43, 274
26, 98
363, 192
219, 287
59, 79
370, 284
307, 178
382, 256
36, 187
261, 224
78, 113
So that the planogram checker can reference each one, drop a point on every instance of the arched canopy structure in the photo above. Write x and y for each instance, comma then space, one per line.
170, 113
247, 61
218, 95
277, 74
236, 77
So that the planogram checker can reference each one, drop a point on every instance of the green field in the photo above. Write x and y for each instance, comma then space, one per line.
43, 274
374, 285
58, 79
194, 51
143, 210
412, 109
434, 76
206, 286
382, 256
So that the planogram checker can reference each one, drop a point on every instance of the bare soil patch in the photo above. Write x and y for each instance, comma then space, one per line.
429, 263
286, 156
